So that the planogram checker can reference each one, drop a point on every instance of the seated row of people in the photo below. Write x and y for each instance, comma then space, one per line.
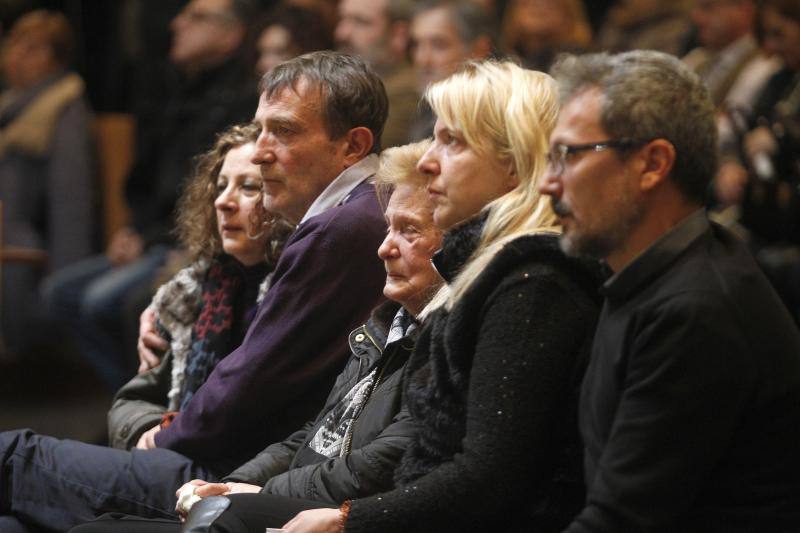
689, 407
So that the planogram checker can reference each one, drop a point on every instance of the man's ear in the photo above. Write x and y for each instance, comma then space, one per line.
658, 157
359, 143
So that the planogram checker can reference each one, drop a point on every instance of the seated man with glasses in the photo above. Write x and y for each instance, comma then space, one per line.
690, 408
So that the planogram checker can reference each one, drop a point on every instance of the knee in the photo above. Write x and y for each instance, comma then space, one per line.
55, 294
97, 304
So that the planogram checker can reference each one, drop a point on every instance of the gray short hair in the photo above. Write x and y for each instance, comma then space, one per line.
352, 94
650, 95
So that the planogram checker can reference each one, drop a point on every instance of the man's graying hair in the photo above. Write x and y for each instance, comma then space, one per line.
650, 95
352, 94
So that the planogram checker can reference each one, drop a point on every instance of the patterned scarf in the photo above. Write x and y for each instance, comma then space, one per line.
211, 334
338, 425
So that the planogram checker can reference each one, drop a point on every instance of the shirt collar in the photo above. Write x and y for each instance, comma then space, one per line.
657, 257
337, 191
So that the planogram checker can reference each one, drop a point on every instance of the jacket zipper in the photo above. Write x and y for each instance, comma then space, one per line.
349, 442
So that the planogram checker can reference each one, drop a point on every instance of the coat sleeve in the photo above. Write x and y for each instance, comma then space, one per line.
687, 379
274, 460
367, 470
326, 281
139, 405
528, 341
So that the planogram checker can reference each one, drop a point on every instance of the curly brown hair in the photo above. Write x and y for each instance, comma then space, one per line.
197, 217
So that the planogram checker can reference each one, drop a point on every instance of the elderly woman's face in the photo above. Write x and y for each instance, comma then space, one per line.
238, 204
461, 182
410, 242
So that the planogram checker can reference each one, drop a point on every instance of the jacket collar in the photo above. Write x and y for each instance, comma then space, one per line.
340, 188
367, 342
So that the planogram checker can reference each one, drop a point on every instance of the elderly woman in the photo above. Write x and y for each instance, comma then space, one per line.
204, 311
493, 381
353, 446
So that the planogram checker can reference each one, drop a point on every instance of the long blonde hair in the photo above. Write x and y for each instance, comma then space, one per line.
506, 112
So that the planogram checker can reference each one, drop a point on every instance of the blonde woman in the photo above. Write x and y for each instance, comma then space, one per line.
493, 380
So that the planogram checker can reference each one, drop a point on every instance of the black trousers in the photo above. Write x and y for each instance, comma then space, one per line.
246, 513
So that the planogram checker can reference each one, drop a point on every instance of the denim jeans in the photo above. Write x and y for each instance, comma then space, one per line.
89, 298
57, 484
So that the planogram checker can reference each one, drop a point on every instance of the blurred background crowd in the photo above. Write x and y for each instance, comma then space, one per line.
105, 104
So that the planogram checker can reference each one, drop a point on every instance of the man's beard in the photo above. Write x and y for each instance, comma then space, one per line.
601, 243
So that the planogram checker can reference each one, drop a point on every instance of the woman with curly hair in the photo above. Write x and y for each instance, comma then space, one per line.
203, 312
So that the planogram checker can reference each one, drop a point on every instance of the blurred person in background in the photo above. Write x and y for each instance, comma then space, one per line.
289, 31
646, 25
206, 86
733, 67
378, 32
728, 59
763, 167
46, 167
444, 35
537, 30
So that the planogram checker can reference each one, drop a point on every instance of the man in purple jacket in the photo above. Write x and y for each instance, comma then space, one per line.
321, 115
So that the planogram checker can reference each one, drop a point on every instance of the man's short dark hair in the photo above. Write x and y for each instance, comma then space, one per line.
650, 95
352, 94
471, 20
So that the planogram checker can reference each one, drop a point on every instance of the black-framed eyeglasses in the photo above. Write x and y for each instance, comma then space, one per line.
558, 155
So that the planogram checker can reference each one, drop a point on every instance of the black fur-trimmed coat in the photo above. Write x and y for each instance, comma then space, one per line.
493, 385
